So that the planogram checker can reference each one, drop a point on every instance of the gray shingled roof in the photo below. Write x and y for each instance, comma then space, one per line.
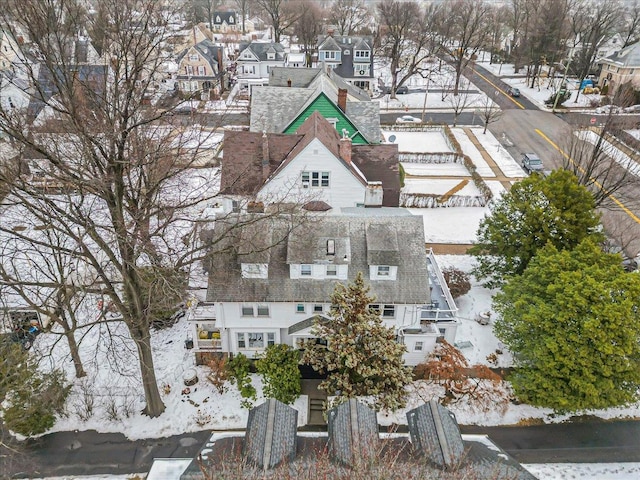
435, 433
207, 49
627, 57
366, 116
300, 77
353, 432
270, 438
411, 286
273, 108
382, 244
260, 50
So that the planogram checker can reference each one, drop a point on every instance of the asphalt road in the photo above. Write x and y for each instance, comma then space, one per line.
577, 442
91, 453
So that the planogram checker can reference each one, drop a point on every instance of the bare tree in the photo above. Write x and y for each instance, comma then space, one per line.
547, 34
348, 16
593, 24
489, 112
204, 10
468, 31
461, 101
282, 13
606, 171
630, 24
407, 38
117, 182
307, 28
244, 7
517, 19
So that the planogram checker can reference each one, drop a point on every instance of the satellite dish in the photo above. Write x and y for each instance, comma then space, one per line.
392, 138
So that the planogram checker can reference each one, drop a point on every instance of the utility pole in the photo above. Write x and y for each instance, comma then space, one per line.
564, 79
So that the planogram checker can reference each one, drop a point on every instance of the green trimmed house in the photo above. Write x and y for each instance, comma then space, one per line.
293, 94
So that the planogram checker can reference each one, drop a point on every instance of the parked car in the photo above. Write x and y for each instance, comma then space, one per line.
400, 90
532, 163
632, 109
514, 92
608, 109
408, 119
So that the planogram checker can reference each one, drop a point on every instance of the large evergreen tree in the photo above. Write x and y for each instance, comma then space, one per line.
536, 211
572, 321
362, 357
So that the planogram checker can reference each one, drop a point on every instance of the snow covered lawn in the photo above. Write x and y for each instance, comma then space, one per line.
432, 141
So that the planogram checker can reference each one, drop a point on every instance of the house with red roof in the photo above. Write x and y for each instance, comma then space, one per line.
316, 167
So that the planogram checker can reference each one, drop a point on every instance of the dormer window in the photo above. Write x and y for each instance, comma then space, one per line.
383, 272
362, 54
255, 270
305, 270
271, 56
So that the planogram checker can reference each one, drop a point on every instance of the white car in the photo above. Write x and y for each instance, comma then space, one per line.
408, 119
632, 109
608, 109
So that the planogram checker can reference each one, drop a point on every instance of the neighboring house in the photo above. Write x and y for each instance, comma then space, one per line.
293, 94
188, 38
90, 83
350, 57
620, 68
611, 46
315, 164
10, 52
295, 60
226, 22
269, 281
256, 60
201, 68
432, 446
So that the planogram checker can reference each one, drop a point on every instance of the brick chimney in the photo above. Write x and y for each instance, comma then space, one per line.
288, 82
345, 148
266, 171
342, 99
330, 32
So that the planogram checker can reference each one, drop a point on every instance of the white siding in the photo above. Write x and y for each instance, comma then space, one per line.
344, 190
283, 314
319, 272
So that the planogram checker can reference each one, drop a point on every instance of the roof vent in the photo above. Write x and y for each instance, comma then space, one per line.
331, 247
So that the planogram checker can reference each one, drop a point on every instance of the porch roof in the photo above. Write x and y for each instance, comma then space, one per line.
306, 324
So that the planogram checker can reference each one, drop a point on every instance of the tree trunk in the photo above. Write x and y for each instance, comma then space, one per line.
155, 405
75, 354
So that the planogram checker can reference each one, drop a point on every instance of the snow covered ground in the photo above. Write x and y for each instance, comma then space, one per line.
109, 399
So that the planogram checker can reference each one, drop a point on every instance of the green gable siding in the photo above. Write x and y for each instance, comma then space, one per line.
327, 109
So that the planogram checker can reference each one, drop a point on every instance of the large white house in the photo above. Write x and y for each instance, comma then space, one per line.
269, 281
255, 61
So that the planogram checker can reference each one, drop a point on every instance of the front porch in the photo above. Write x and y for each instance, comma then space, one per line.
205, 334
